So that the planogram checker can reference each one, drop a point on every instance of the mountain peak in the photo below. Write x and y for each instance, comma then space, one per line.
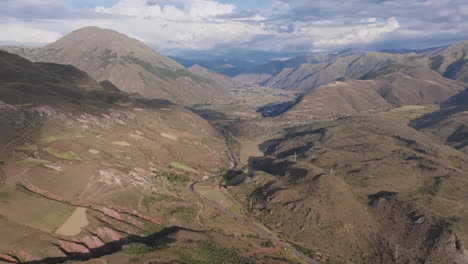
89, 28
198, 67
349, 52
128, 63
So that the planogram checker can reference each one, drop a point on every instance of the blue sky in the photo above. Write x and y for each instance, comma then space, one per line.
230, 27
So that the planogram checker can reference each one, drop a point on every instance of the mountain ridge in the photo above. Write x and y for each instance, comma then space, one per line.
304, 73
128, 63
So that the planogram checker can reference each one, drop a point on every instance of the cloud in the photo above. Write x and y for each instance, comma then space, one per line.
13, 33
192, 10
176, 26
363, 34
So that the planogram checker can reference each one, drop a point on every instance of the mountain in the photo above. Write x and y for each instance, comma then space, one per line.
229, 67
260, 73
368, 189
302, 74
406, 51
451, 61
390, 87
87, 171
220, 79
450, 123
126, 62
263, 72
91, 173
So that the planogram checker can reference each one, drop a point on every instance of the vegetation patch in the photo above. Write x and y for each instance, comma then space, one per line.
32, 162
305, 251
176, 178
60, 137
4, 196
178, 165
133, 260
184, 213
267, 244
31, 147
150, 199
234, 177
209, 253
68, 155
137, 249
220, 255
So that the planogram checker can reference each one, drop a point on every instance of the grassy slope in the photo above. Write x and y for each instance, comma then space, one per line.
302, 74
451, 61
356, 187
450, 123
416, 85
48, 115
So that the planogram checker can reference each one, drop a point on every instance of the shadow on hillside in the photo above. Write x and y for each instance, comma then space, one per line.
153, 241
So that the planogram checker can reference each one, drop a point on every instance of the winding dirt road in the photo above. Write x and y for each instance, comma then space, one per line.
260, 231
253, 226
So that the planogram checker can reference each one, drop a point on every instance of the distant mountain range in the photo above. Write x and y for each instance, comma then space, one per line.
407, 85
305, 73
229, 67
222, 80
406, 51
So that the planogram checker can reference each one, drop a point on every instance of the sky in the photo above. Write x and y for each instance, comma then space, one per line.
230, 27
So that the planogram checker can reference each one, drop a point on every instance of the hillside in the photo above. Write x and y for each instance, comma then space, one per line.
450, 123
391, 86
222, 80
451, 61
369, 189
262, 73
225, 66
128, 63
302, 74
87, 171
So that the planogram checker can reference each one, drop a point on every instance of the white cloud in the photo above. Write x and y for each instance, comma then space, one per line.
287, 25
15, 33
196, 25
357, 35
193, 10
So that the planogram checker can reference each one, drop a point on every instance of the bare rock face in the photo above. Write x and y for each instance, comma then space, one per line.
108, 234
8, 258
72, 247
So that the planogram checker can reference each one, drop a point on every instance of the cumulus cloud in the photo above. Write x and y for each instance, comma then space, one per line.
367, 33
173, 26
